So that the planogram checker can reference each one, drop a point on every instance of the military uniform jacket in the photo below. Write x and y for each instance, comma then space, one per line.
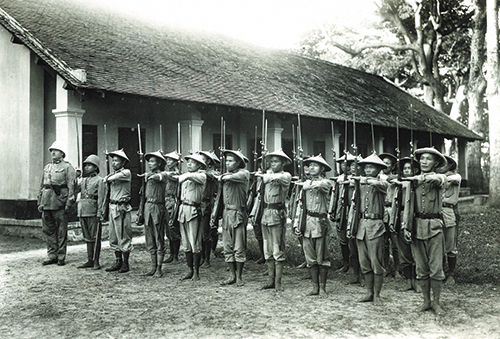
372, 199
171, 184
192, 187
275, 192
210, 192
450, 198
428, 202
234, 195
316, 206
92, 196
120, 191
58, 186
154, 206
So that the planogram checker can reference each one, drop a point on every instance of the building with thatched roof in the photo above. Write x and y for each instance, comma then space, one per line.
68, 69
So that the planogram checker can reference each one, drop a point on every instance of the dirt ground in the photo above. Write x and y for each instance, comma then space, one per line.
66, 302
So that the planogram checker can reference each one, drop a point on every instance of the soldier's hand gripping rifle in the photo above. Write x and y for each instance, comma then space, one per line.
142, 191
216, 214
354, 211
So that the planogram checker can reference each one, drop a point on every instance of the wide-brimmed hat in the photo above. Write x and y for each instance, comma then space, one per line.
239, 155
350, 158
281, 154
120, 153
373, 159
388, 155
210, 155
318, 159
156, 154
58, 145
198, 158
173, 155
93, 160
452, 164
431, 150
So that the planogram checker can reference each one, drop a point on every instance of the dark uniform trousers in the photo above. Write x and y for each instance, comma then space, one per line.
55, 227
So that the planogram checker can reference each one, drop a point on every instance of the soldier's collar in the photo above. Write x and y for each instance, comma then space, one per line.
56, 161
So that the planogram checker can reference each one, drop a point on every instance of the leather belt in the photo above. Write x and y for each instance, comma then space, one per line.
373, 216
90, 197
387, 204
275, 206
428, 215
190, 203
56, 186
117, 202
316, 215
154, 201
445, 204
234, 207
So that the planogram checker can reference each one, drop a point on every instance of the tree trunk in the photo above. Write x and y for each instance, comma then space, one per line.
477, 89
493, 100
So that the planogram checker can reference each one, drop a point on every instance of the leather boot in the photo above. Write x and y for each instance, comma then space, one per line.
154, 263
189, 261
452, 263
208, 251
118, 263
271, 275
407, 276
239, 274
232, 274
196, 262
97, 254
395, 253
354, 279
90, 256
278, 276
378, 281
177, 246
323, 273
416, 285
172, 251
426, 292
159, 261
345, 258
261, 251
369, 281
125, 267
315, 280
215, 238
202, 252
436, 291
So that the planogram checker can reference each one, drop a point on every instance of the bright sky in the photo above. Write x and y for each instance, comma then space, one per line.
269, 23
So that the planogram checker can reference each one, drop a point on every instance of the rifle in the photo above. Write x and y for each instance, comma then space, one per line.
298, 207
354, 211
409, 210
395, 217
344, 199
216, 214
142, 191
105, 213
252, 191
258, 208
333, 194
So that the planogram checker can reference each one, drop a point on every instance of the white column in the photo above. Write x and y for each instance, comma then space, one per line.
380, 144
274, 138
191, 138
69, 115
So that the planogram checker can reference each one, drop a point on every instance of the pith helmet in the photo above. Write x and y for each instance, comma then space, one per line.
350, 158
198, 158
431, 150
58, 145
281, 154
239, 155
373, 159
120, 153
156, 154
173, 155
318, 159
94, 160
451, 163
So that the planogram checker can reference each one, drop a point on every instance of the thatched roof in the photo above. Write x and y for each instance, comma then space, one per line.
125, 55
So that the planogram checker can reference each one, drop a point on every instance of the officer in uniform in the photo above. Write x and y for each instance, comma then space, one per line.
91, 209
172, 227
54, 201
120, 227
